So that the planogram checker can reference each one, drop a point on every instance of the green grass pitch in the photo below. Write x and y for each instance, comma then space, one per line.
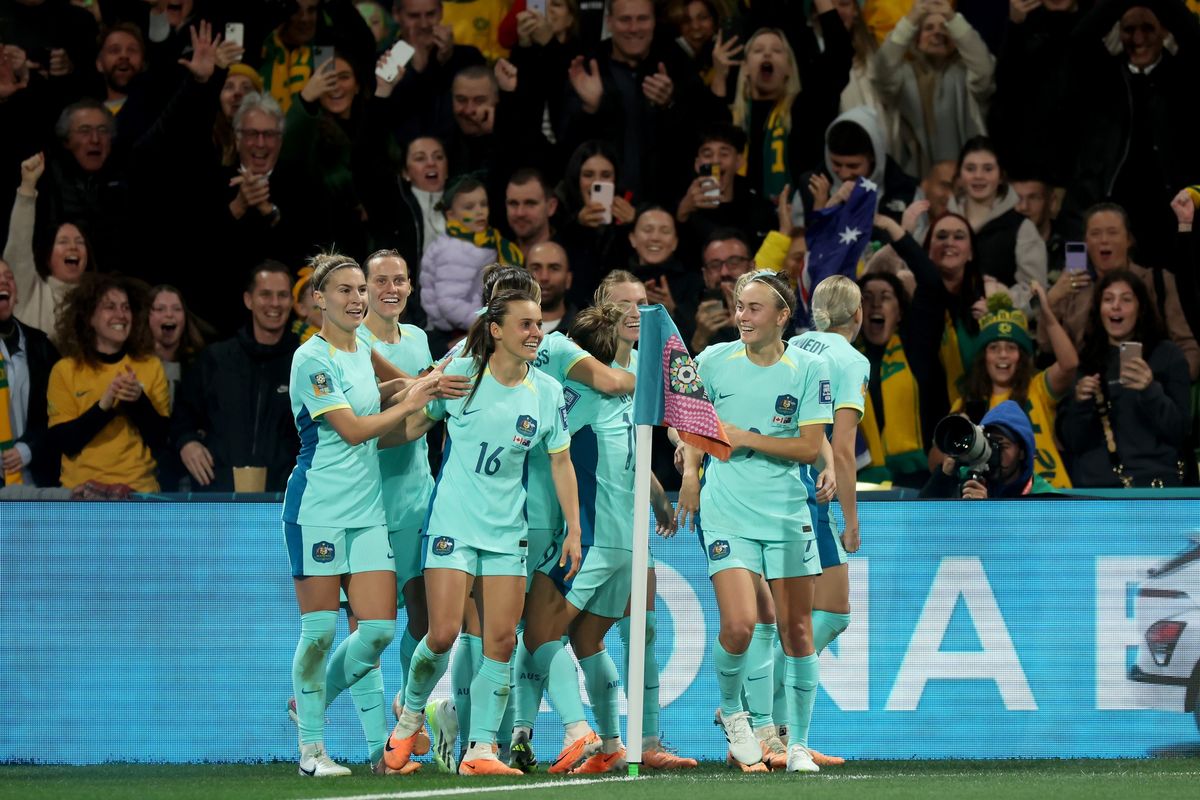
928, 780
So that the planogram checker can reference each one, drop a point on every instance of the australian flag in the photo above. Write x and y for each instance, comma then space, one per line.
669, 389
837, 237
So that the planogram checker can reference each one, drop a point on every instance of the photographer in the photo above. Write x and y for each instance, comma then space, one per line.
1005, 468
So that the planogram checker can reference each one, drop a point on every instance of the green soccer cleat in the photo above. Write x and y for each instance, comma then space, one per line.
443, 722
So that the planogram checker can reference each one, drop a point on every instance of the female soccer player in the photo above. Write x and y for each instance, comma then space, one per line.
333, 514
476, 526
407, 484
838, 315
774, 401
602, 451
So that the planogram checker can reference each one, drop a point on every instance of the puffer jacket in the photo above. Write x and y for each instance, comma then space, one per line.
452, 281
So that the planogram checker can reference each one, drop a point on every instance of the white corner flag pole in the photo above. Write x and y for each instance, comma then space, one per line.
636, 673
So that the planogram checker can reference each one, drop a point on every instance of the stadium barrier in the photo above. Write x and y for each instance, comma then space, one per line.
164, 632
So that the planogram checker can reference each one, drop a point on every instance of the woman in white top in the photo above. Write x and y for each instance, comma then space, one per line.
42, 282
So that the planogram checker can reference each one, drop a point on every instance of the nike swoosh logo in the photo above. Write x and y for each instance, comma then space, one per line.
372, 708
723, 396
309, 772
759, 678
309, 691
472, 411
390, 555
81, 394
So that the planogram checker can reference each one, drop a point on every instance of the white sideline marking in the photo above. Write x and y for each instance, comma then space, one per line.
514, 787
529, 787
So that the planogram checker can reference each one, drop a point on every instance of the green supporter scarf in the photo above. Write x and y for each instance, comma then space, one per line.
490, 238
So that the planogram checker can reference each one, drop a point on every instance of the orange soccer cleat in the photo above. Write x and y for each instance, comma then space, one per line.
732, 762
400, 748
659, 757
822, 760
600, 763
576, 752
486, 766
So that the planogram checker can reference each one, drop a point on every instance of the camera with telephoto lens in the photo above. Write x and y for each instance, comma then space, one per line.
969, 445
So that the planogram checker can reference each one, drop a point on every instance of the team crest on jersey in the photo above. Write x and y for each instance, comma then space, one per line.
323, 552
826, 392
718, 550
683, 376
526, 428
443, 546
786, 405
320, 384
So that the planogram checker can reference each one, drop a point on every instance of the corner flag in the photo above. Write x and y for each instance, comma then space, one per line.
669, 388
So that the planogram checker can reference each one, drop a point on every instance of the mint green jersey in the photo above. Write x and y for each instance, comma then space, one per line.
556, 356
752, 495
407, 483
334, 484
602, 453
849, 370
479, 497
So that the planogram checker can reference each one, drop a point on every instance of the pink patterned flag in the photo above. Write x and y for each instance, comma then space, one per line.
670, 391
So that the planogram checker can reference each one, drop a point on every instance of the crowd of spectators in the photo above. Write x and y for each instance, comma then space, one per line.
172, 164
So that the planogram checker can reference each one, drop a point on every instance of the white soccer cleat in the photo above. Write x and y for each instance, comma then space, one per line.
316, 763
742, 744
800, 760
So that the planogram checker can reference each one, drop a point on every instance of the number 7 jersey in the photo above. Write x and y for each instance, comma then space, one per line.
479, 497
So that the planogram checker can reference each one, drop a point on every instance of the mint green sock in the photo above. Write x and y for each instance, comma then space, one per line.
600, 678
463, 669
826, 627
357, 655
731, 671
650, 687
489, 696
408, 646
563, 694
367, 694
530, 684
803, 675
426, 670
308, 672
758, 689
779, 708
504, 732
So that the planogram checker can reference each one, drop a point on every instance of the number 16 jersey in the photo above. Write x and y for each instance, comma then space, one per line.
479, 497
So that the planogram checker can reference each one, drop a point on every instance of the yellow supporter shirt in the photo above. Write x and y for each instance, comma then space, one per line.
477, 23
1041, 407
117, 454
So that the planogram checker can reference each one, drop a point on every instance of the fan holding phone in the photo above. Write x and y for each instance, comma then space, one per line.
1106, 248
1127, 418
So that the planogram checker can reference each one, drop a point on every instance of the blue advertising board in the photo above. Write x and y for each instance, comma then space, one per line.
165, 631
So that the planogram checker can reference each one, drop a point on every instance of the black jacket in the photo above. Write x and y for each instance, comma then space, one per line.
1134, 141
1150, 426
235, 401
41, 356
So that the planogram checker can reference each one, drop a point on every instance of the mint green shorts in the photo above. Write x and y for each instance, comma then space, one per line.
445, 552
317, 550
407, 544
796, 558
601, 586
544, 544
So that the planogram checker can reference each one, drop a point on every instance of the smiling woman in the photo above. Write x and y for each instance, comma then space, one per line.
108, 403
1129, 413
59, 262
